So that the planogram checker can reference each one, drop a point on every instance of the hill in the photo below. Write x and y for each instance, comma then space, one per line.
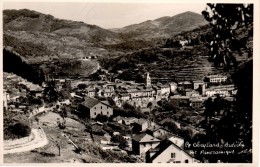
38, 37
42, 39
170, 61
163, 27
27, 20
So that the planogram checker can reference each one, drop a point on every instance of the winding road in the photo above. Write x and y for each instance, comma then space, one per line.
37, 139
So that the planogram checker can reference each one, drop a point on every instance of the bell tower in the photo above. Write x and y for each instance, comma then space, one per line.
148, 80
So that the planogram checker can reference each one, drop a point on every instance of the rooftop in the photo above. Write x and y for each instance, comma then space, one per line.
90, 102
215, 76
163, 146
179, 97
144, 137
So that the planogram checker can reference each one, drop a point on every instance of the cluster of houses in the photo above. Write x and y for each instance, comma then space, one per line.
151, 141
187, 93
15, 92
136, 94
148, 140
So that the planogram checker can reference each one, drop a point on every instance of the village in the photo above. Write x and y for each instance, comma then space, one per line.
117, 115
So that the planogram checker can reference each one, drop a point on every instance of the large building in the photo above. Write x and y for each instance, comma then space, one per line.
216, 78
91, 108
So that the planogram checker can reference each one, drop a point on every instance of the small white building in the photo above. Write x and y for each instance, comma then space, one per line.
168, 152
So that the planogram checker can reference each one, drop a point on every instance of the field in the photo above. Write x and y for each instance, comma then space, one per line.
70, 68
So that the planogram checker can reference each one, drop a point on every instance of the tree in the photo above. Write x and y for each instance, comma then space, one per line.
121, 140
228, 22
150, 105
139, 78
186, 133
171, 126
101, 118
209, 107
65, 91
232, 32
50, 92
82, 86
21, 129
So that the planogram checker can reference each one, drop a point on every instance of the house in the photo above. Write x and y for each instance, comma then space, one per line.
165, 89
129, 121
225, 90
91, 107
91, 92
105, 139
180, 100
118, 119
185, 85
124, 96
36, 92
179, 141
196, 102
211, 92
107, 93
173, 86
168, 152
143, 142
140, 125
196, 84
157, 131
190, 93
183, 42
178, 124
215, 78
64, 102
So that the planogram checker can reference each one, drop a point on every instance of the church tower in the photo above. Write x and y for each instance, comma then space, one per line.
148, 80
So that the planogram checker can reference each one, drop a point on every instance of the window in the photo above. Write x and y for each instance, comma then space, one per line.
172, 155
186, 161
95, 113
95, 108
101, 107
107, 113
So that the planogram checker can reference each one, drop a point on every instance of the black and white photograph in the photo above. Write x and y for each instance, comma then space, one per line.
129, 82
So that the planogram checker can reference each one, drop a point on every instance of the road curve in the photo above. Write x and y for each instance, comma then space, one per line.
37, 139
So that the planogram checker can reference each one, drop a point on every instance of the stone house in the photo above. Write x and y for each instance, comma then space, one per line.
141, 143
91, 108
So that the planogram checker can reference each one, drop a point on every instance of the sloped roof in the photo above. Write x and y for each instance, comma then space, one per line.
197, 81
105, 102
141, 121
155, 128
118, 118
144, 137
90, 102
163, 146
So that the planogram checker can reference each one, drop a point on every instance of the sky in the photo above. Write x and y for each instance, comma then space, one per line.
107, 14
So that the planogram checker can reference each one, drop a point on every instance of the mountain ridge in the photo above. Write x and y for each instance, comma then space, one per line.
39, 37
164, 27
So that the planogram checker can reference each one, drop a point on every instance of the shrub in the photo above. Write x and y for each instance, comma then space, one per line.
20, 129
